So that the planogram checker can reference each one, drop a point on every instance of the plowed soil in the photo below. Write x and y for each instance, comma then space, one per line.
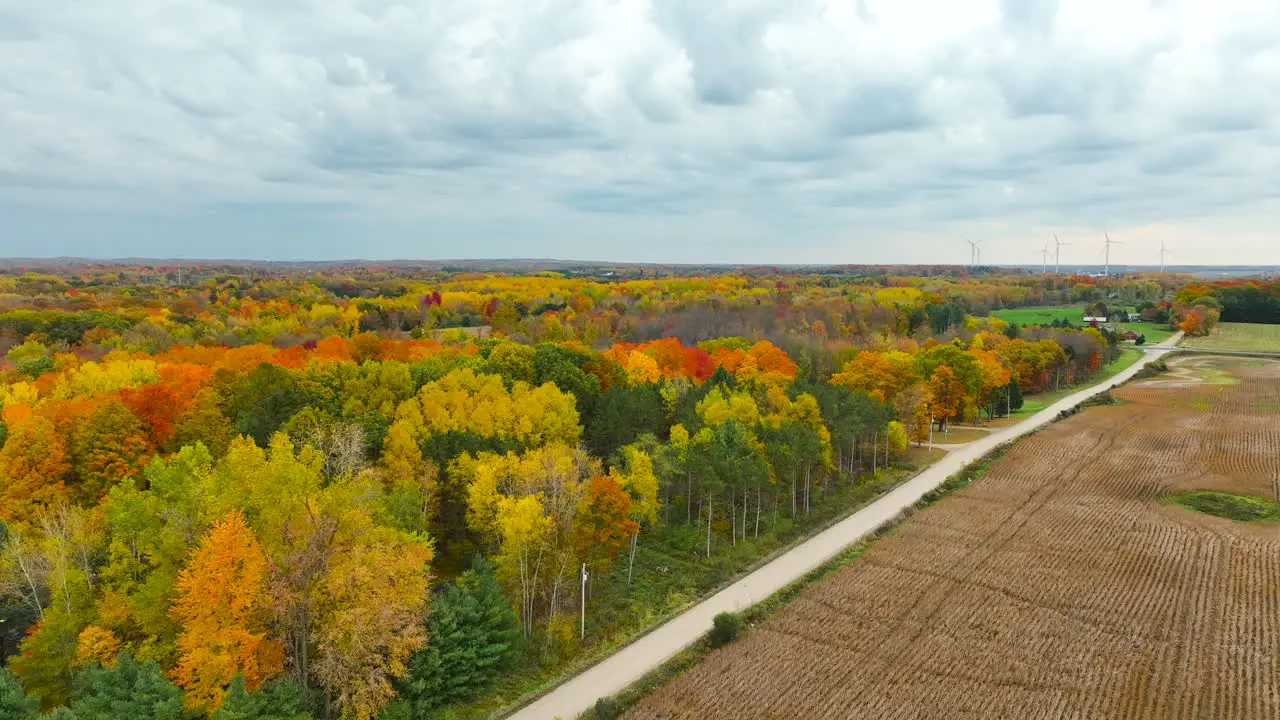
1059, 585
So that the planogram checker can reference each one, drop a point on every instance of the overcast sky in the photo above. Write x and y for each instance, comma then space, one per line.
782, 131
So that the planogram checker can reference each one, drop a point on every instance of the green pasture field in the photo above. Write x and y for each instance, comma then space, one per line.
1075, 315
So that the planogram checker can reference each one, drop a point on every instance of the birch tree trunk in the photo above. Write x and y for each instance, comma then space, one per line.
708, 523
757, 534
635, 540
732, 515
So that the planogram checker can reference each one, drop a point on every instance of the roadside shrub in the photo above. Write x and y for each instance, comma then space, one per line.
1151, 370
607, 709
724, 629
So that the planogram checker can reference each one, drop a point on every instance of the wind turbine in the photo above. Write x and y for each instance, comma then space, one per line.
975, 253
1109, 243
1057, 257
1044, 258
1162, 254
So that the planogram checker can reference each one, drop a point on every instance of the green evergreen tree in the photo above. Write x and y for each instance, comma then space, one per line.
623, 414
138, 691
1015, 396
282, 701
472, 632
14, 703
260, 401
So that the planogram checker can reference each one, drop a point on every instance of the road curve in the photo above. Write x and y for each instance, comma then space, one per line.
626, 666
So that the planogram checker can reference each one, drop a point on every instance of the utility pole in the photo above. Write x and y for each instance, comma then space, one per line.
583, 634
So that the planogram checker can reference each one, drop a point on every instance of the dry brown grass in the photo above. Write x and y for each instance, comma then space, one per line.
1058, 586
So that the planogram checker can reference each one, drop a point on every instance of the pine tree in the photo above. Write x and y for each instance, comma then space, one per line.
14, 703
1015, 397
134, 690
282, 701
472, 632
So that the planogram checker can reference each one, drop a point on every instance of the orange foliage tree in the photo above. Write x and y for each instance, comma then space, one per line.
110, 445
946, 394
221, 598
604, 525
881, 375
33, 464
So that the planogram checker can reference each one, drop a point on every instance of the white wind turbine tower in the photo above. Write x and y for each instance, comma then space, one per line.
1162, 254
1044, 258
1057, 257
975, 253
1109, 243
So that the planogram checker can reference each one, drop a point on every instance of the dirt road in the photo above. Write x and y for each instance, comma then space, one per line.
629, 664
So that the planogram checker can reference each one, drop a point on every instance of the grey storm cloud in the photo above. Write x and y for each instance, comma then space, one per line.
753, 130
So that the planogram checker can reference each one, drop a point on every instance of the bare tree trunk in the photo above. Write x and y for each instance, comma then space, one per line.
794, 479
808, 487
757, 535
708, 523
875, 452
551, 614
28, 574
688, 497
733, 516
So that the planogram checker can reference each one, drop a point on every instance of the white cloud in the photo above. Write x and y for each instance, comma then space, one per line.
755, 130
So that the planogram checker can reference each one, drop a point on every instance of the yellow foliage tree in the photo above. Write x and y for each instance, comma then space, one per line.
92, 377
640, 482
467, 401
524, 530
717, 407
371, 619
98, 645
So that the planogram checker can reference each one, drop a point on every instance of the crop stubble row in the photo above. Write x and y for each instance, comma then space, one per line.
1058, 586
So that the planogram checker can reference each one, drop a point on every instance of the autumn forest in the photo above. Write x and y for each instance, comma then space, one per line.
370, 492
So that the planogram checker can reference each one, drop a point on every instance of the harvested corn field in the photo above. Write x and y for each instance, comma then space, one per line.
1062, 584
